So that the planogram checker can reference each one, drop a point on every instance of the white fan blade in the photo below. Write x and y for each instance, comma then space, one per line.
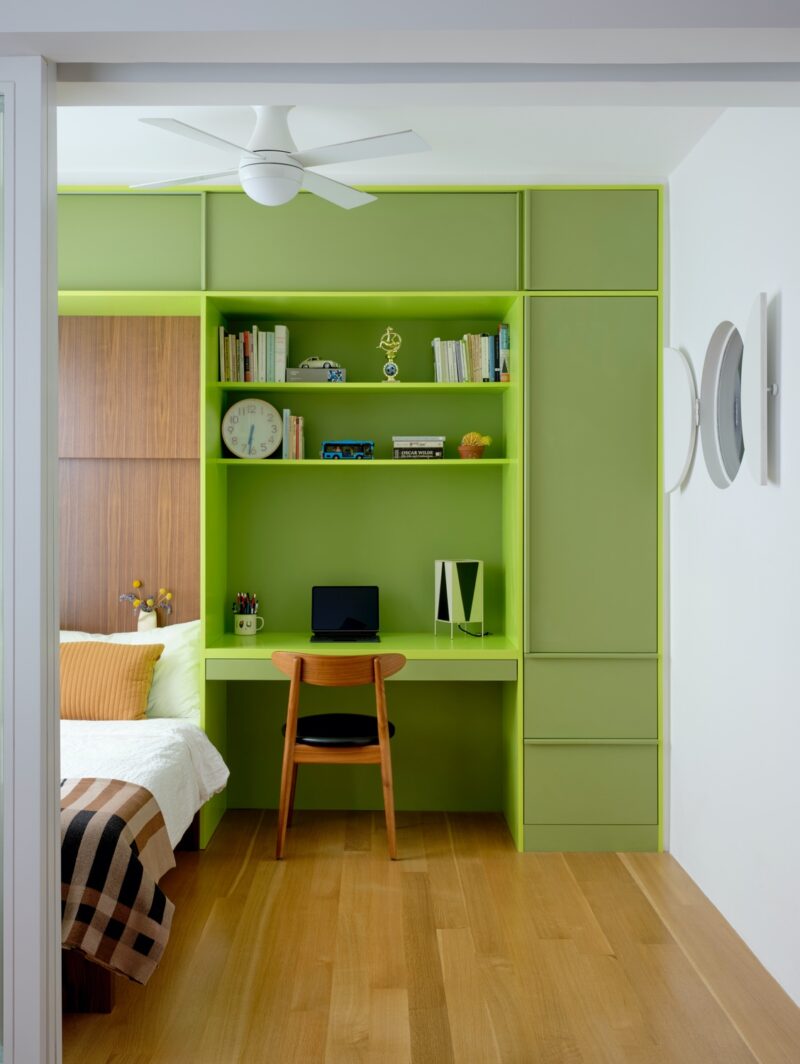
196, 179
172, 125
367, 148
334, 192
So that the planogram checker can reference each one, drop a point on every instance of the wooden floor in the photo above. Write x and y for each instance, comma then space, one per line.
463, 950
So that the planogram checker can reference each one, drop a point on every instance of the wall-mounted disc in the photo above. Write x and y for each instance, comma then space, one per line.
754, 390
721, 405
680, 417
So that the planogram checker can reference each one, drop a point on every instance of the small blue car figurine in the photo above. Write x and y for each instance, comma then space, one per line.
350, 450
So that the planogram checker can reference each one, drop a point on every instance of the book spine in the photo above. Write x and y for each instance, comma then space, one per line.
281, 352
287, 414
485, 357
222, 376
247, 352
505, 342
417, 452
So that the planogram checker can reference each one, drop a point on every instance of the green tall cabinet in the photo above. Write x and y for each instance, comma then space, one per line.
591, 662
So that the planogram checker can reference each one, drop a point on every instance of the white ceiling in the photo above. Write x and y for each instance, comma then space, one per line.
470, 145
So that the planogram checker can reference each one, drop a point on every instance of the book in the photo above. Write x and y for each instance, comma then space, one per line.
315, 373
473, 359
253, 355
281, 351
505, 374
287, 415
417, 452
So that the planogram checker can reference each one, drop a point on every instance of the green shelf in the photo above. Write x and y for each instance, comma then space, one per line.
362, 387
411, 463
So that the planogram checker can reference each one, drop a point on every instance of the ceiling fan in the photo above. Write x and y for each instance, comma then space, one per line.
272, 171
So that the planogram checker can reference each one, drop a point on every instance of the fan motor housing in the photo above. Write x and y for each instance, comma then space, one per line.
272, 182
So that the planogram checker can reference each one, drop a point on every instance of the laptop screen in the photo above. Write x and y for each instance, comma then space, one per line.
344, 609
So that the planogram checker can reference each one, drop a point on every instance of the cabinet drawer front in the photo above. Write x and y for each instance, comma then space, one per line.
592, 445
587, 240
591, 698
403, 242
129, 242
585, 784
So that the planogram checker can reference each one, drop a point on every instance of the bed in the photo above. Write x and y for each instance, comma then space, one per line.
130, 792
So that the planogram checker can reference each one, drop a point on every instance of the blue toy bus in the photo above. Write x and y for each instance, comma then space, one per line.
349, 450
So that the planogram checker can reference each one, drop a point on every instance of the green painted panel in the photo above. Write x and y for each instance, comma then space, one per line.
591, 838
586, 784
592, 381
591, 698
129, 241
588, 239
215, 719
413, 672
405, 241
446, 753
289, 530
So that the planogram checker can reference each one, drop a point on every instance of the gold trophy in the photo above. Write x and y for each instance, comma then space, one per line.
390, 345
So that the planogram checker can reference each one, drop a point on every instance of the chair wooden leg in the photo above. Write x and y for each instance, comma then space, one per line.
283, 805
388, 801
291, 795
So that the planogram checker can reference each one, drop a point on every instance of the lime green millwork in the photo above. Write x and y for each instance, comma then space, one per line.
554, 718
129, 242
591, 698
414, 240
592, 239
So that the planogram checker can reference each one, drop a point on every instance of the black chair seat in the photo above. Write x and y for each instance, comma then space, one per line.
338, 729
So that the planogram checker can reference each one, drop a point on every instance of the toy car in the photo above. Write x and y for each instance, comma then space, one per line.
319, 363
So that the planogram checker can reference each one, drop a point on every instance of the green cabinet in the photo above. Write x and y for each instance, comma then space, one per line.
591, 697
129, 242
405, 241
591, 239
591, 784
592, 473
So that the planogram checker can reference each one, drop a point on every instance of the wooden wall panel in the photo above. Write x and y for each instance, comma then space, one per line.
122, 520
129, 387
129, 467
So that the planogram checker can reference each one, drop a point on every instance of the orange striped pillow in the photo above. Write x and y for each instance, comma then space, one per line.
106, 681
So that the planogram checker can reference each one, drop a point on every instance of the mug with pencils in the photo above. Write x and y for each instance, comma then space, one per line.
246, 620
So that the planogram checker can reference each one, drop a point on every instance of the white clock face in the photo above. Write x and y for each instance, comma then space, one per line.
252, 429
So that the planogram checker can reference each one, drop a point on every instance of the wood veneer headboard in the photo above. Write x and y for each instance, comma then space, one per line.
129, 466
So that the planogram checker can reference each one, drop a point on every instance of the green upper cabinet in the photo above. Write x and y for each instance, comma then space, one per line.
591, 240
129, 241
405, 241
592, 469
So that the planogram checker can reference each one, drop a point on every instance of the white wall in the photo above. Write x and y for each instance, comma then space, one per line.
735, 554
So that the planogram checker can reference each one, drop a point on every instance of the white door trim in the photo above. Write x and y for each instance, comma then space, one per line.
31, 905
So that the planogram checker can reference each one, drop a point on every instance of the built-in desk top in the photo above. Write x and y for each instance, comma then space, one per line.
463, 658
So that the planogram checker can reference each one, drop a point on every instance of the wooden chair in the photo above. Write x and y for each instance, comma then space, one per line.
336, 738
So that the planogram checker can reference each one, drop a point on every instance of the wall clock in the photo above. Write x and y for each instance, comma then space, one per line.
252, 428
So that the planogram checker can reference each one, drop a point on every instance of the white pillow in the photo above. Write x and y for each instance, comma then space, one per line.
175, 691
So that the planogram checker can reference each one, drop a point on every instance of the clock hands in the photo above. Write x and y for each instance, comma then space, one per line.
250, 439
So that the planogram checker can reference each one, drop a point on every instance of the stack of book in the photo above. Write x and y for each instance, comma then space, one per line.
256, 355
294, 444
476, 357
418, 446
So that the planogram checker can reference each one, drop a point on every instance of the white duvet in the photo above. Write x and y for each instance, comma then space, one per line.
173, 759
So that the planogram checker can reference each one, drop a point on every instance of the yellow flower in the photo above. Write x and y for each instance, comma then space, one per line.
168, 596
137, 583
162, 591
137, 603
150, 602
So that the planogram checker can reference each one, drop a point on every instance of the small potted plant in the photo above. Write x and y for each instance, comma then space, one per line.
472, 445
147, 607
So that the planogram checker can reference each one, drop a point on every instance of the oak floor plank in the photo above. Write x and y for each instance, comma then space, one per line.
462, 951
762, 1012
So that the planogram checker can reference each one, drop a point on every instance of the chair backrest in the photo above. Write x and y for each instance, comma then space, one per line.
337, 670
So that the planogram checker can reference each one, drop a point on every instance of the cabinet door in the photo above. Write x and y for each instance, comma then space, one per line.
592, 445
403, 242
591, 239
130, 241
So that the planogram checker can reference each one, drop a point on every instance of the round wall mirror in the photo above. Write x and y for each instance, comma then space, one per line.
721, 405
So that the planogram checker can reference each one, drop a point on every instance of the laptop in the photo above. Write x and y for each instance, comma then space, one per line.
344, 614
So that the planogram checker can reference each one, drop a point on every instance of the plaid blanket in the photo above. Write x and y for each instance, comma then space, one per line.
114, 849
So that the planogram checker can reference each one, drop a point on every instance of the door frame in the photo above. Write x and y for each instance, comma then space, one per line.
30, 759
